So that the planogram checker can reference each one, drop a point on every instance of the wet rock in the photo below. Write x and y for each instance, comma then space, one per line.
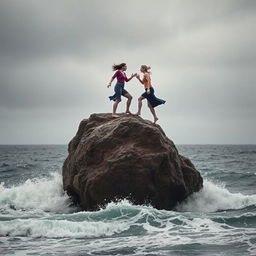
126, 157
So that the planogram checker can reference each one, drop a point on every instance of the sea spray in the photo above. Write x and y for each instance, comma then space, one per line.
44, 194
215, 197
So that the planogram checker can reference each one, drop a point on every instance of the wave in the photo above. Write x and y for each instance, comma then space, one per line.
4, 165
59, 228
247, 152
123, 226
123, 219
247, 219
45, 194
214, 198
115, 218
120, 219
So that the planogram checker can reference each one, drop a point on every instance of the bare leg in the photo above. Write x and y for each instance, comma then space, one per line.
140, 99
153, 112
128, 104
115, 107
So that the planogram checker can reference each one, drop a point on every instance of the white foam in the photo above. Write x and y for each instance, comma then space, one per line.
45, 194
121, 203
216, 197
60, 228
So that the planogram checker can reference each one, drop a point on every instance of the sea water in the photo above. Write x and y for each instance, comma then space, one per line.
38, 218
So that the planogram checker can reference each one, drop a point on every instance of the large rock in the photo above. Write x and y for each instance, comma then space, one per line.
126, 157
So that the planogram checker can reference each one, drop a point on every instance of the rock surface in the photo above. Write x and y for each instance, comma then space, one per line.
126, 157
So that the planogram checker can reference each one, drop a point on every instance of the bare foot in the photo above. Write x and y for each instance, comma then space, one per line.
155, 119
115, 115
128, 112
138, 114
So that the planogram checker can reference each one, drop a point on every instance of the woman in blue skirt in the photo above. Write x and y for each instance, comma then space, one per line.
153, 101
119, 88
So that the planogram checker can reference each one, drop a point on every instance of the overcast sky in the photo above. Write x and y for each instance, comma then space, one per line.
56, 58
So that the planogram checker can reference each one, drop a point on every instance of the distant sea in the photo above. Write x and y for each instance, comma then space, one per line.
38, 218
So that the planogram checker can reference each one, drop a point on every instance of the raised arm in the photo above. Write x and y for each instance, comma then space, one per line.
138, 77
128, 79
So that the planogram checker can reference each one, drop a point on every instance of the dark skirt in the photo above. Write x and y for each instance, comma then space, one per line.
119, 90
152, 99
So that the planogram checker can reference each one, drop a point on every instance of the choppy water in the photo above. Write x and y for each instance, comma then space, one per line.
37, 217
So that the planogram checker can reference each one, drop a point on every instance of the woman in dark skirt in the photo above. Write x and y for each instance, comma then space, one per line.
153, 101
119, 88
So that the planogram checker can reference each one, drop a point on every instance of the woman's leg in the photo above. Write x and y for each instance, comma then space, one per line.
140, 99
115, 107
153, 112
128, 104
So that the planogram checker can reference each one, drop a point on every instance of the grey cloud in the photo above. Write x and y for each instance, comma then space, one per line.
30, 29
56, 56
49, 29
45, 86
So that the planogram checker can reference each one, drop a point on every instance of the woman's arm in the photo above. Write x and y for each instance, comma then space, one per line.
138, 77
128, 79
147, 87
145, 81
112, 78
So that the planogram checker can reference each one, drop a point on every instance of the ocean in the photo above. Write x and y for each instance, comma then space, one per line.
38, 218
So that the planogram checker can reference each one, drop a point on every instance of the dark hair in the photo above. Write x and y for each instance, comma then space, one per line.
118, 66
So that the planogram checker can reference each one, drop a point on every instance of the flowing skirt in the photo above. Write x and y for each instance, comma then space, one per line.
152, 99
119, 90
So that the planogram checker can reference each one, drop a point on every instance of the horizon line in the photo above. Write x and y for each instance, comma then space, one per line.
66, 144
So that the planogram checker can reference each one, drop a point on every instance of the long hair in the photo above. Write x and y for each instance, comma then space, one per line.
118, 66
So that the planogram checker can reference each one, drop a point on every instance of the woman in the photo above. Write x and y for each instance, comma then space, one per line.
119, 87
153, 101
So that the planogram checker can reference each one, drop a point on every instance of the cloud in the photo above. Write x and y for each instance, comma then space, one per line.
53, 29
56, 57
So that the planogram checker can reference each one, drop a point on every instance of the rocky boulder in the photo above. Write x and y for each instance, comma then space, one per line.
126, 157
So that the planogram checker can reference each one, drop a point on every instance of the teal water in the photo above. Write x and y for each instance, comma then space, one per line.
37, 217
